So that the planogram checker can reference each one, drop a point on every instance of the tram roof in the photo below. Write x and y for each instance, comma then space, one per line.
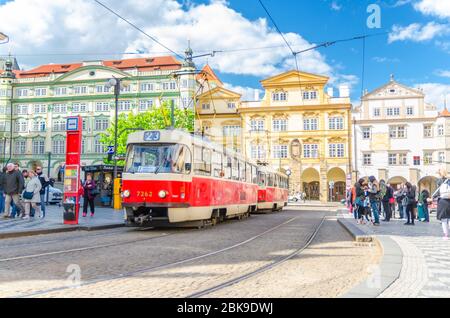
186, 138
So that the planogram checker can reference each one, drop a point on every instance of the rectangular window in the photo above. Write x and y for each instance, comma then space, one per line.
202, 161
310, 124
21, 110
102, 89
102, 106
147, 87
397, 132
79, 107
169, 86
376, 112
229, 131
441, 130
366, 133
59, 91
38, 146
20, 147
393, 111
279, 125
311, 151
125, 88
98, 146
40, 109
231, 105
409, 111
124, 105
21, 126
59, 125
367, 159
428, 131
280, 151
416, 160
101, 124
392, 159
257, 125
395, 159
60, 108
59, 146
336, 150
39, 125
78, 90
428, 158
441, 157
145, 105
22, 92
258, 152
40, 91
336, 123
205, 106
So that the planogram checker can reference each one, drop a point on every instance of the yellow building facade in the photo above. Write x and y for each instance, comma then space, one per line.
299, 127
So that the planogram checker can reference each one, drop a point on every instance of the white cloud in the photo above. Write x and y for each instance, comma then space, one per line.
400, 3
383, 59
439, 8
417, 32
335, 6
248, 93
435, 93
443, 73
67, 26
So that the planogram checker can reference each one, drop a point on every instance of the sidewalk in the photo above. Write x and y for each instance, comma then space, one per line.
423, 254
53, 222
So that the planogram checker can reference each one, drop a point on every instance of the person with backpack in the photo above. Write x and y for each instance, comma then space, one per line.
410, 203
386, 194
374, 199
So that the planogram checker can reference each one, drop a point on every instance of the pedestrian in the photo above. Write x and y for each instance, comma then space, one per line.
31, 196
399, 199
391, 201
422, 206
12, 185
410, 202
386, 194
90, 191
358, 209
45, 182
2, 192
443, 206
374, 199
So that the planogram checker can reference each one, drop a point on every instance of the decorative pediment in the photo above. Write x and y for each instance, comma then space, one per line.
220, 93
91, 72
291, 78
231, 123
280, 116
311, 141
256, 116
336, 140
258, 141
336, 114
394, 89
311, 114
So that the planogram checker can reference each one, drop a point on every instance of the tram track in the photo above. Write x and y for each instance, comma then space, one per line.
157, 267
260, 270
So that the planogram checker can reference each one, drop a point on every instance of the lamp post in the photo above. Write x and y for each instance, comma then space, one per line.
288, 173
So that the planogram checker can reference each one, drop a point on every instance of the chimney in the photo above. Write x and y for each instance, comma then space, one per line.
330, 91
344, 91
256, 95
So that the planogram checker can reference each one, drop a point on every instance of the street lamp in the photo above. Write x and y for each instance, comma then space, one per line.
115, 82
3, 38
288, 173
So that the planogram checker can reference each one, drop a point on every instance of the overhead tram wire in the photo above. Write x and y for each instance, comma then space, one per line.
139, 29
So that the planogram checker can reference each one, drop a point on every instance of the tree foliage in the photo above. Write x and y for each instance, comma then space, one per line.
156, 118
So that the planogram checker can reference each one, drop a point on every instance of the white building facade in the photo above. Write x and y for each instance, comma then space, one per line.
398, 137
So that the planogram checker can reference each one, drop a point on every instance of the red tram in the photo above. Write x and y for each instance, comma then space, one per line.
174, 178
273, 190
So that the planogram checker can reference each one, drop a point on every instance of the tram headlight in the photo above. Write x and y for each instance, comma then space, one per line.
126, 194
162, 194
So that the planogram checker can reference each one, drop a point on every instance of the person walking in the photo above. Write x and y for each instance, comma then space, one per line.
2, 191
13, 184
386, 195
31, 196
410, 202
399, 199
359, 201
374, 192
45, 182
422, 206
443, 207
89, 190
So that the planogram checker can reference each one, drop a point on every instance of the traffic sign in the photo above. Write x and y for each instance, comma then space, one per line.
110, 150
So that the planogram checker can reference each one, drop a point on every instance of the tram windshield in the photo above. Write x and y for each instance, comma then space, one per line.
158, 158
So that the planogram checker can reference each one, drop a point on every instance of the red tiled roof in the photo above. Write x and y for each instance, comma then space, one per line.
143, 64
208, 73
444, 113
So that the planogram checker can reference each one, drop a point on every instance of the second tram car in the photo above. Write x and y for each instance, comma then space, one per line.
174, 178
273, 190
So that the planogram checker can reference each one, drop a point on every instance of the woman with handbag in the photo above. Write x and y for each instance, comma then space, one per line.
31, 195
89, 193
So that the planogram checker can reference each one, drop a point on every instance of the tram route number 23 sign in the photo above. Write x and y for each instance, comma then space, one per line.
152, 136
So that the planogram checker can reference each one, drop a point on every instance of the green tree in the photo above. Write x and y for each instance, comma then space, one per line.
157, 118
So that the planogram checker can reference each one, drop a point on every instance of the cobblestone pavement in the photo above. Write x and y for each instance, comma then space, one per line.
426, 258
112, 253
54, 219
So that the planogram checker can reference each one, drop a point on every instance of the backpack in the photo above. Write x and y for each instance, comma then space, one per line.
444, 190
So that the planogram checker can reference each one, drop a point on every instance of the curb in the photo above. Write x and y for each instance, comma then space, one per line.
387, 272
60, 230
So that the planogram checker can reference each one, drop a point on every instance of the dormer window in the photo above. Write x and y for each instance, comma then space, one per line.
117, 62
150, 60
64, 67
279, 96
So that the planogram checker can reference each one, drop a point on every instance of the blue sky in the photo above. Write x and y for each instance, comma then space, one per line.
418, 53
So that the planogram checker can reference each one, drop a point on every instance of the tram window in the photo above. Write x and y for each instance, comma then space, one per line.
248, 170
235, 169
254, 175
217, 166
275, 183
228, 167
270, 180
262, 178
202, 161
158, 158
241, 170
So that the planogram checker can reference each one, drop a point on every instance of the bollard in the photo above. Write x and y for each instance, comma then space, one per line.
117, 199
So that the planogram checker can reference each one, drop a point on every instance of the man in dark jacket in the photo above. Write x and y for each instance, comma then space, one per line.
374, 199
13, 183
388, 195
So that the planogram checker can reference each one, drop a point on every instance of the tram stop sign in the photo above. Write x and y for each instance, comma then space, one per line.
110, 150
